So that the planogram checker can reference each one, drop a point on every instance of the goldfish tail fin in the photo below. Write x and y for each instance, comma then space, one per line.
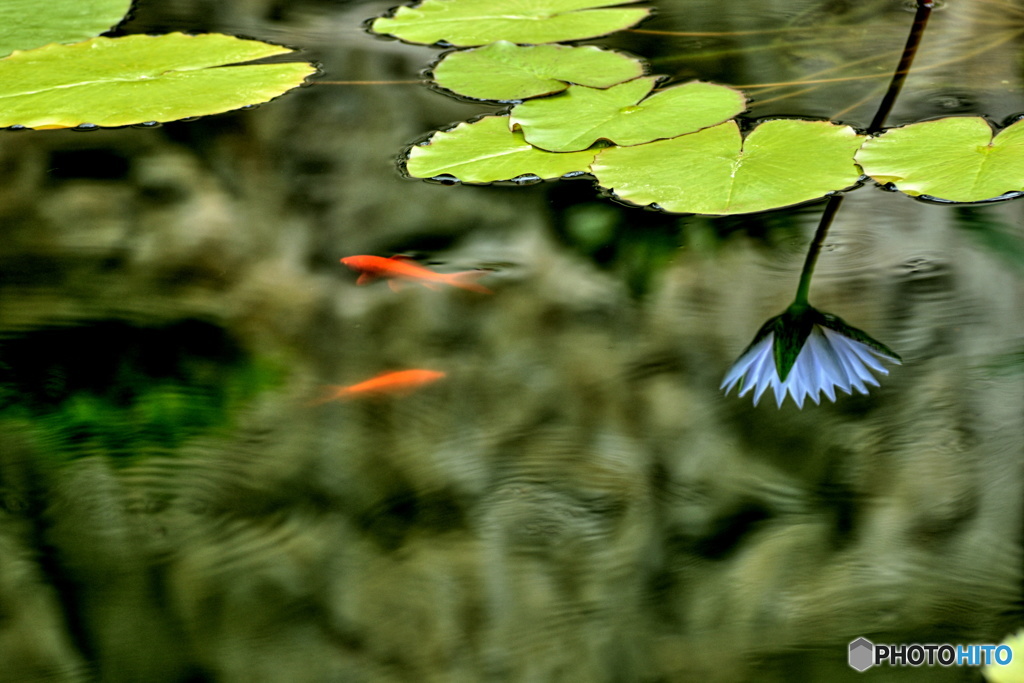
467, 279
330, 393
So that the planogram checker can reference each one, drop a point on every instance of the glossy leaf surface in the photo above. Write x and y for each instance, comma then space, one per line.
958, 159
504, 71
486, 151
625, 114
139, 78
715, 171
468, 23
27, 24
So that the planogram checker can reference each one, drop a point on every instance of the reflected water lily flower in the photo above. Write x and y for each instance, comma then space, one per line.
805, 352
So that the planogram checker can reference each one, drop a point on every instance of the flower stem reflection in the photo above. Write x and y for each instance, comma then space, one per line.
804, 353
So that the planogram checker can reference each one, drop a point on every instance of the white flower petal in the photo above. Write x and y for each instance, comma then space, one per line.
808, 375
855, 370
831, 366
818, 356
755, 366
798, 391
828, 359
794, 384
870, 356
744, 362
763, 375
779, 389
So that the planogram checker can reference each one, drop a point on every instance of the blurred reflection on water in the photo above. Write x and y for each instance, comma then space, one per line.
574, 500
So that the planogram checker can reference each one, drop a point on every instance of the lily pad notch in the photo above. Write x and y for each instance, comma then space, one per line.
957, 159
677, 148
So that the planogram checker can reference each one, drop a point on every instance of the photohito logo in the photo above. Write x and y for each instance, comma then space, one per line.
864, 654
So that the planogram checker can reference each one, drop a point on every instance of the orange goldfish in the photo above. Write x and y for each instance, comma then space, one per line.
399, 269
400, 382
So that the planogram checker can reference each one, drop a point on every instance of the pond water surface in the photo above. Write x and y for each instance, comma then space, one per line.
185, 494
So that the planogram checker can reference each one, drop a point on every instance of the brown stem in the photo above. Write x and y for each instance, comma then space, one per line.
924, 10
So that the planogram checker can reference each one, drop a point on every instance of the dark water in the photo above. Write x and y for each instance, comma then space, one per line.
575, 500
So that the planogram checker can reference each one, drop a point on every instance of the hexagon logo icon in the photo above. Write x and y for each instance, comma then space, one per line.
862, 654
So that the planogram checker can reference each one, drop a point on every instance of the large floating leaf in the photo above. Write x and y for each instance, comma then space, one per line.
505, 71
134, 79
955, 158
715, 171
25, 24
486, 151
466, 23
580, 116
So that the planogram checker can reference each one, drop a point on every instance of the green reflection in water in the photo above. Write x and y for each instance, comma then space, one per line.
119, 389
992, 234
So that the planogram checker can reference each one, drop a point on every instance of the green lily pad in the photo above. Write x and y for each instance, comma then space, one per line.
467, 23
486, 151
715, 171
957, 159
138, 78
624, 114
26, 24
505, 71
